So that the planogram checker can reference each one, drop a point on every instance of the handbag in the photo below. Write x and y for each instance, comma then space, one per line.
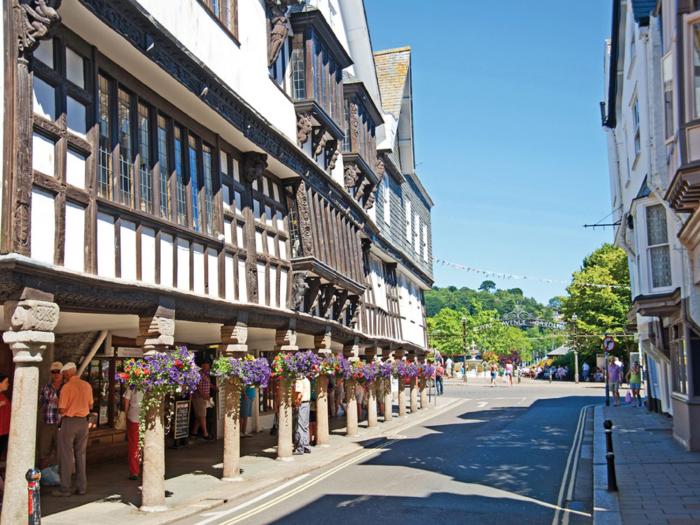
120, 421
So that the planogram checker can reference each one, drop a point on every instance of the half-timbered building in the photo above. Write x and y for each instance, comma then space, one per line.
213, 173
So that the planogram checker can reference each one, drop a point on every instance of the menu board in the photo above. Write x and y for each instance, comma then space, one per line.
182, 419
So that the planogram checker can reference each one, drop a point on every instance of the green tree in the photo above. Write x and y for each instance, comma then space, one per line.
599, 309
487, 286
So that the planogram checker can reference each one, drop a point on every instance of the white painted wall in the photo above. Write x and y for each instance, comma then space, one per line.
74, 250
43, 229
127, 250
148, 255
166, 260
105, 245
242, 66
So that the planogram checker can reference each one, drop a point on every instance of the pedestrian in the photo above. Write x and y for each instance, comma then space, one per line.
247, 398
132, 406
509, 372
439, 372
302, 399
340, 397
614, 378
448, 367
48, 422
74, 404
332, 408
586, 371
634, 378
201, 400
494, 373
5, 412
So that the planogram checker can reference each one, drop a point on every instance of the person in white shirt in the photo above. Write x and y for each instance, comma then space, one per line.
132, 407
302, 399
448, 367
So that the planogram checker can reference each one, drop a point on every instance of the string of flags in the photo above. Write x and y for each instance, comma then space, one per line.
511, 276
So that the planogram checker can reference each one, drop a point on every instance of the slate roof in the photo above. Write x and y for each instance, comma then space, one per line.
642, 9
392, 67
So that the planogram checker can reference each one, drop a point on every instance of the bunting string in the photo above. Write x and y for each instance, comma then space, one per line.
511, 276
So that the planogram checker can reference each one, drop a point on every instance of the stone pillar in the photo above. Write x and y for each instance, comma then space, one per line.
255, 418
414, 395
157, 334
285, 340
424, 394
31, 323
351, 352
372, 405
386, 390
322, 344
402, 388
234, 337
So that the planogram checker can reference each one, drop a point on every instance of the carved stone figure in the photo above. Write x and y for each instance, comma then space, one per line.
369, 201
304, 127
379, 169
350, 177
354, 124
33, 315
320, 137
252, 283
279, 27
37, 18
253, 166
299, 287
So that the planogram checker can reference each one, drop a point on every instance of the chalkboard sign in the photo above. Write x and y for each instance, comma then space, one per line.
182, 419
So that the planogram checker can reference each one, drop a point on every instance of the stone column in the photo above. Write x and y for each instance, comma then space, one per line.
414, 395
402, 388
351, 352
322, 344
233, 344
386, 390
372, 405
157, 334
31, 322
424, 394
286, 340
255, 418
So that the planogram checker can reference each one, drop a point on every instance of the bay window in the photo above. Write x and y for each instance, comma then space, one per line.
659, 253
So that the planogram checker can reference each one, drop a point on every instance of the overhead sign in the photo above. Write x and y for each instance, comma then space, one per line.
609, 344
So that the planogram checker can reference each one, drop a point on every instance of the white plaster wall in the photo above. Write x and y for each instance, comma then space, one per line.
43, 228
243, 67
229, 293
148, 255
242, 286
127, 245
213, 273
105, 245
166, 260
74, 252
183, 264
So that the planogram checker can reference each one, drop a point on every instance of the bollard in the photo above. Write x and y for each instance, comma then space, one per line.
610, 456
33, 492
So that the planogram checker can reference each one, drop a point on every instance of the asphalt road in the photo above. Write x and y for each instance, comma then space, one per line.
518, 455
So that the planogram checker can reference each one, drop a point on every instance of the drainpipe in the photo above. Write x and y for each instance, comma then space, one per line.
93, 350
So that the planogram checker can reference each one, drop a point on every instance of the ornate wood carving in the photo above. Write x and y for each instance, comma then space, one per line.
369, 200
299, 288
319, 139
251, 276
332, 153
354, 124
305, 232
312, 293
253, 166
340, 305
279, 27
354, 310
379, 169
304, 127
327, 299
36, 18
351, 176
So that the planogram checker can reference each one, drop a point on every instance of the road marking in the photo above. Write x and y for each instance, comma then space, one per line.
481, 404
304, 486
562, 488
213, 516
570, 473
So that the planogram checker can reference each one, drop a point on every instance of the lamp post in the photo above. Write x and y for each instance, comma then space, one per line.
464, 346
574, 318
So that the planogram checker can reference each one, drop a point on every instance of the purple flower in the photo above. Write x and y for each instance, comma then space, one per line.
386, 369
307, 364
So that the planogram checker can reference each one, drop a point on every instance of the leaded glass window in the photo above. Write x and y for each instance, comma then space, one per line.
659, 250
145, 159
104, 168
126, 176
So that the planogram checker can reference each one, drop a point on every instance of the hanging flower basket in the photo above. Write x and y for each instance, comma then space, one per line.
426, 370
385, 370
157, 376
406, 370
284, 366
360, 372
333, 366
249, 370
307, 364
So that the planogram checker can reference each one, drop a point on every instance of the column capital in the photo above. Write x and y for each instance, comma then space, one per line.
371, 352
286, 338
157, 330
32, 322
234, 337
322, 342
352, 350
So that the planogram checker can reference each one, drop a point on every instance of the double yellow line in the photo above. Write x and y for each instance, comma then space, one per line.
306, 485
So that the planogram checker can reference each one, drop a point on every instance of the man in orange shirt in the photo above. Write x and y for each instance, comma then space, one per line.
74, 404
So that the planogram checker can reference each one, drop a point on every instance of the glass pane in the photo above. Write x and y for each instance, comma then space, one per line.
126, 177
45, 52
75, 68
180, 179
43, 149
194, 182
208, 189
75, 117
144, 136
44, 99
104, 186
164, 167
657, 232
660, 266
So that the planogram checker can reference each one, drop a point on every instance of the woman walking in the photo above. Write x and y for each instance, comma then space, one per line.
494, 373
634, 378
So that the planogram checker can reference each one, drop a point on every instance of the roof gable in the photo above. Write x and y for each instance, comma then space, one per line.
392, 66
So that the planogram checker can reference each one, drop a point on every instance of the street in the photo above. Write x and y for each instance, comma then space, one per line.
518, 454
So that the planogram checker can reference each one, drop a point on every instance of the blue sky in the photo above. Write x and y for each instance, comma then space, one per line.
507, 130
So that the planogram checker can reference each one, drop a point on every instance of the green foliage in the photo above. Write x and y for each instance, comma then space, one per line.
600, 310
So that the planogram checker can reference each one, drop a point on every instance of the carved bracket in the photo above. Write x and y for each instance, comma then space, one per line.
304, 127
319, 138
36, 18
234, 337
332, 153
304, 220
312, 293
299, 288
327, 299
253, 166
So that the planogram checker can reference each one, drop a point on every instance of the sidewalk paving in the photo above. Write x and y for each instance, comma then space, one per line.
192, 474
658, 481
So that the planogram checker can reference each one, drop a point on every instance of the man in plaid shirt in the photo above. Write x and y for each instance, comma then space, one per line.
48, 423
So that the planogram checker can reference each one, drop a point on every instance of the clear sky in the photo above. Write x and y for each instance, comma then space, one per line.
507, 131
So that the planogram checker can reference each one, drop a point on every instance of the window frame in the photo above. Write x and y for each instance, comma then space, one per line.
649, 247
233, 6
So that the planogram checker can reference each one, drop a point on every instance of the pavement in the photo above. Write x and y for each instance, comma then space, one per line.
658, 480
509, 455
193, 474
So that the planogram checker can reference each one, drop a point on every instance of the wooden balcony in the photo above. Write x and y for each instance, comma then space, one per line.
684, 191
